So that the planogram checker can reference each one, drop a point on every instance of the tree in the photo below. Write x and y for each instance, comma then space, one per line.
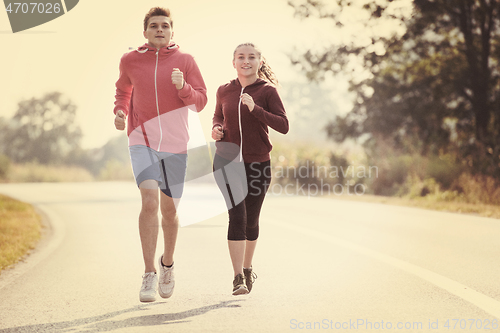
114, 151
434, 88
42, 130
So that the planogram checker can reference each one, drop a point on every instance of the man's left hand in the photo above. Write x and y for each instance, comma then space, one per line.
178, 78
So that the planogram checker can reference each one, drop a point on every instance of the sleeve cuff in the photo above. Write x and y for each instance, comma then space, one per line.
257, 110
184, 92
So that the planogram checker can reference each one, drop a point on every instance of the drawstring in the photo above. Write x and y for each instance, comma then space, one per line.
241, 130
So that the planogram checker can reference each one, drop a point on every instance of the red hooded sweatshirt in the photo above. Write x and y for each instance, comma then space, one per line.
157, 112
246, 133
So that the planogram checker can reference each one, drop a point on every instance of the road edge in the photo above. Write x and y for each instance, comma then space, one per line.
52, 234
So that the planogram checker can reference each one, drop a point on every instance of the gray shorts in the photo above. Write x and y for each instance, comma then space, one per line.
168, 169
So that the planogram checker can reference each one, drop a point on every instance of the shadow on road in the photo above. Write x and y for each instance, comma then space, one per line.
104, 324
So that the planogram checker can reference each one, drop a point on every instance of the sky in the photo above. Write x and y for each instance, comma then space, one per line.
78, 53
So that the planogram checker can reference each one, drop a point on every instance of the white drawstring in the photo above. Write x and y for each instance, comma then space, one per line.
241, 130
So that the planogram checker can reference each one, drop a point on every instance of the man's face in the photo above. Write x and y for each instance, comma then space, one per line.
159, 32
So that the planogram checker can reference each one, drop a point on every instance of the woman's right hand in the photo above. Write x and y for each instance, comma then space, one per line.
217, 133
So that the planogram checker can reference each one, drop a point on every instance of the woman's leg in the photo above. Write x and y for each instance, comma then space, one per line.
236, 244
231, 180
236, 236
259, 179
237, 254
249, 251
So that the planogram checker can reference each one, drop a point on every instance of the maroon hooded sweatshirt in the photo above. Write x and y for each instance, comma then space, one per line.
247, 132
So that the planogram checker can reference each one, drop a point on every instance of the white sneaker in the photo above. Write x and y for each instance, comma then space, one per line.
166, 282
149, 287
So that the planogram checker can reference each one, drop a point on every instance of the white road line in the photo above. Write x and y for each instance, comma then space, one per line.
482, 301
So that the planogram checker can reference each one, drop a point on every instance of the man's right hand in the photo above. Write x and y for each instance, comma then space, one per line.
120, 120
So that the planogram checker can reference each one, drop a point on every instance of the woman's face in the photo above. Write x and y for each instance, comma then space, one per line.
246, 61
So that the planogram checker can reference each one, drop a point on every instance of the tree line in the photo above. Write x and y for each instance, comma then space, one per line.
433, 90
43, 130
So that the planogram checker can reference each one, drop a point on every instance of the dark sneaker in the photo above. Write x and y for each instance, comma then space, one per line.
250, 277
239, 285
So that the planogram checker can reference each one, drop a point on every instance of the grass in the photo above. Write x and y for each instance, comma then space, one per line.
485, 210
20, 230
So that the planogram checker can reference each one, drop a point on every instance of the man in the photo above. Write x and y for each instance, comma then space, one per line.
157, 86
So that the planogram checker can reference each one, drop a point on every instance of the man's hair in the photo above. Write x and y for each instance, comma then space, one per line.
157, 11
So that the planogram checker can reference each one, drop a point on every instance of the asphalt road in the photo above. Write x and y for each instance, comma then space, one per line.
322, 265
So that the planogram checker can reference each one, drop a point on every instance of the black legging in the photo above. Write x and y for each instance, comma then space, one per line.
244, 193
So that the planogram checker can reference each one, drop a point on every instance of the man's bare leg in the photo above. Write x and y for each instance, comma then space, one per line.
170, 226
148, 222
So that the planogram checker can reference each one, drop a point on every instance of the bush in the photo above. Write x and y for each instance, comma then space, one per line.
414, 187
444, 169
394, 171
116, 170
35, 172
5, 166
436, 178
467, 188
415, 175
322, 167
478, 188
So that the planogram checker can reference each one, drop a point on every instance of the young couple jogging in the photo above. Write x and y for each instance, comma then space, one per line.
157, 86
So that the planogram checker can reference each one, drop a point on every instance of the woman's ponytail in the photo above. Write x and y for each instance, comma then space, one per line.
266, 73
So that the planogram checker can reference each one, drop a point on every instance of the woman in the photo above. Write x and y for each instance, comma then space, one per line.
245, 107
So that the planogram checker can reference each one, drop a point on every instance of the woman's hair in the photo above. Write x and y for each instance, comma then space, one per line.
265, 72
157, 11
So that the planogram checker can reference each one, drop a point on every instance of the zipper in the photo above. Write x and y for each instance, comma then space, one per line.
157, 105
241, 130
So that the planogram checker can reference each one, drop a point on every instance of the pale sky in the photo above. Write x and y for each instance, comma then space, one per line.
78, 54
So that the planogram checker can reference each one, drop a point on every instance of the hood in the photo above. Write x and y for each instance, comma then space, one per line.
256, 83
164, 50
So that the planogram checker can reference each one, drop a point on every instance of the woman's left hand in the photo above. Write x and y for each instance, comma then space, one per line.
248, 101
